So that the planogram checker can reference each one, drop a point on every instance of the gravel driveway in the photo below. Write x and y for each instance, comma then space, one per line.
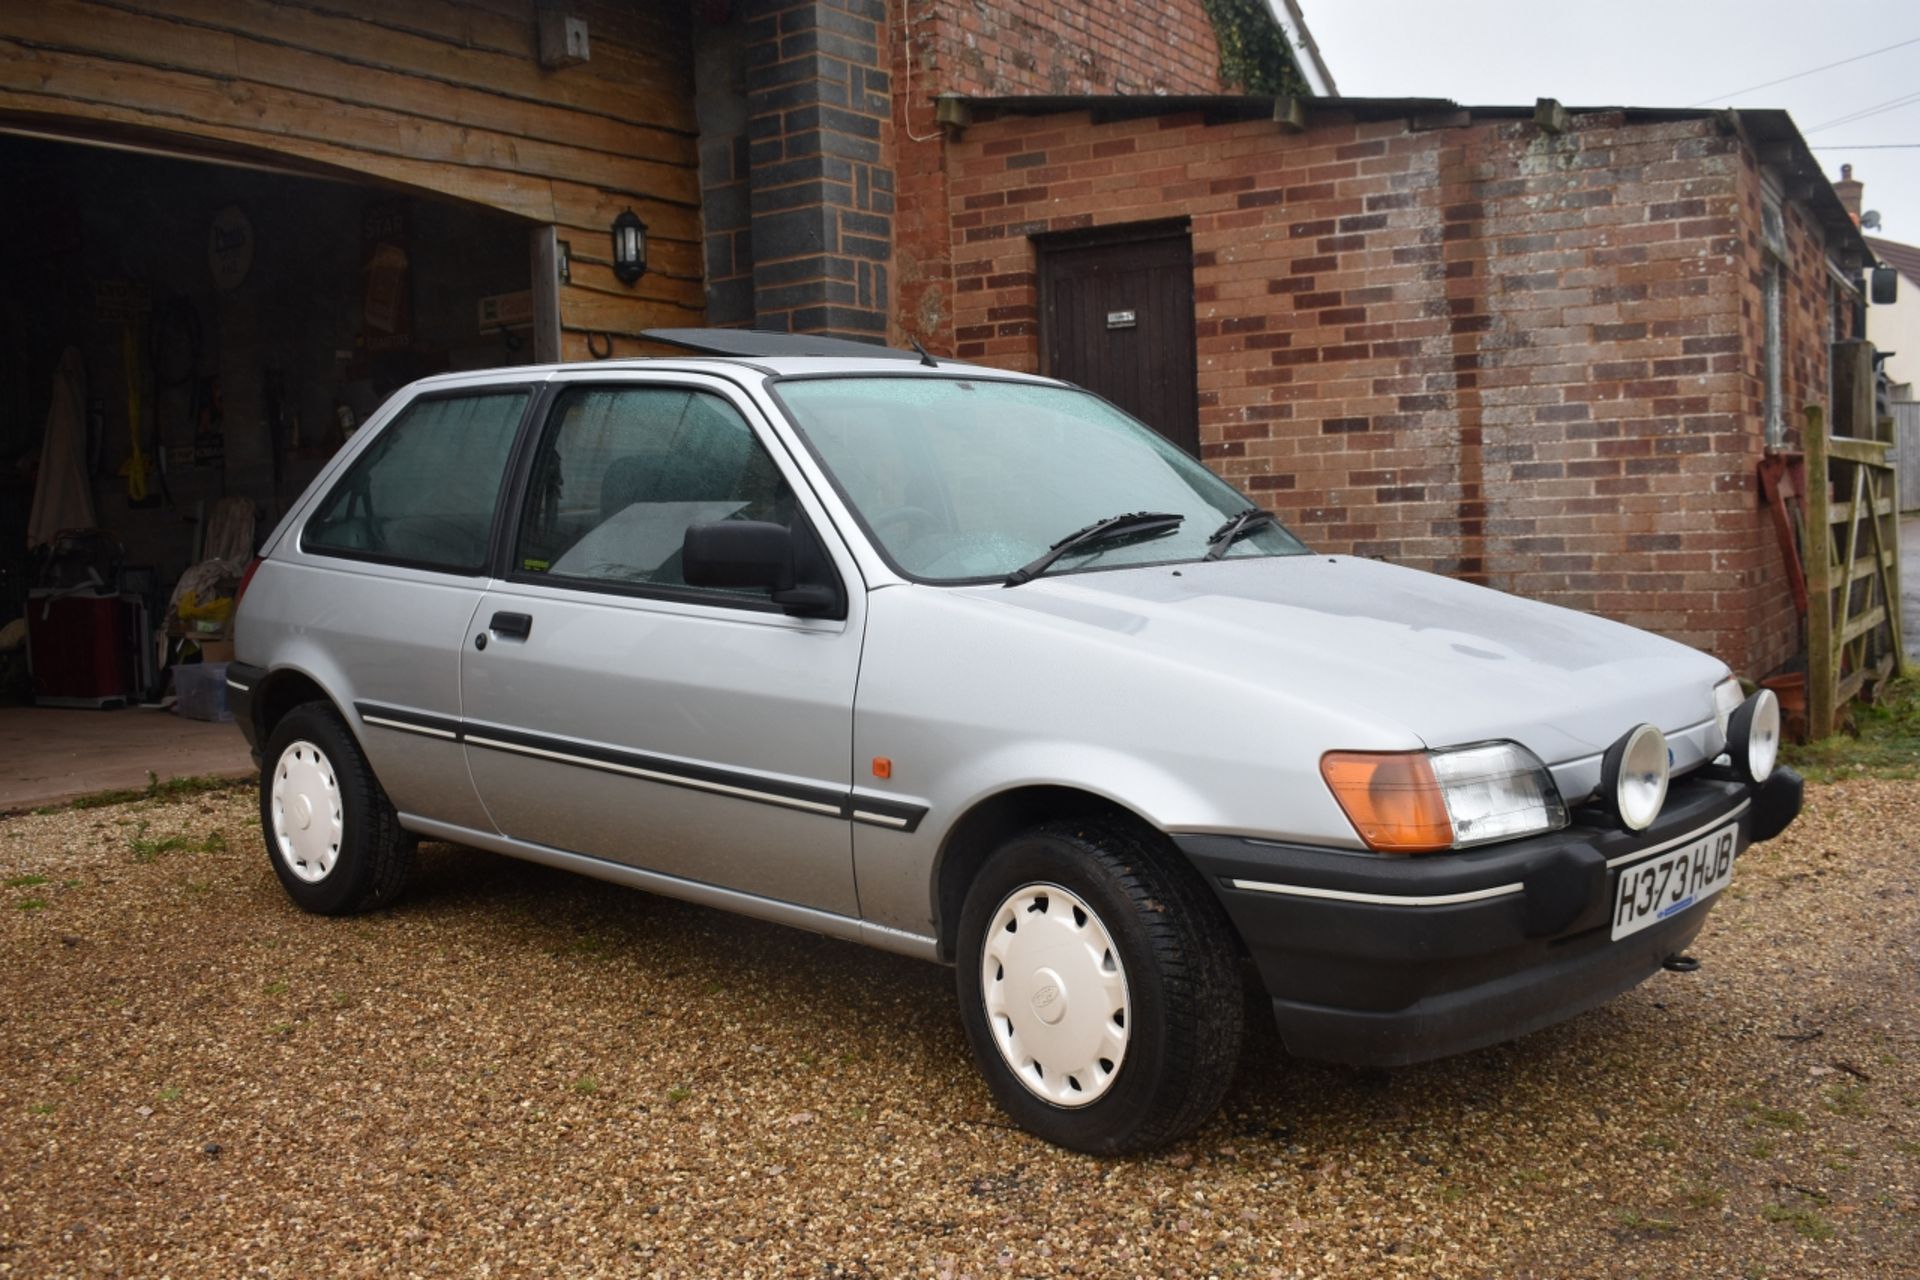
522, 1073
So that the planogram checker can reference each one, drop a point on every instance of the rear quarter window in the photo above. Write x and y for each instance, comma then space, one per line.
426, 492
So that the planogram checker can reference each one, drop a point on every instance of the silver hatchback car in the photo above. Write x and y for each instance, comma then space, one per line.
971, 666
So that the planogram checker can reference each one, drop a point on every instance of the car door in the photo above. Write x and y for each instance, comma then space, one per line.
614, 711
376, 598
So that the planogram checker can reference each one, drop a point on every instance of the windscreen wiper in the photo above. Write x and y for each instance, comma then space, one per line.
1236, 528
1123, 528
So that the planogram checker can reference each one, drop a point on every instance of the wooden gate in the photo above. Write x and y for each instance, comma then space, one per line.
1853, 544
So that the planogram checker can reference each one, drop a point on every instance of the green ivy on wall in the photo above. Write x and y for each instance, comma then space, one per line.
1254, 56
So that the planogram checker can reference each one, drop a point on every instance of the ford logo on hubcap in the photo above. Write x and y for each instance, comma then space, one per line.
1049, 998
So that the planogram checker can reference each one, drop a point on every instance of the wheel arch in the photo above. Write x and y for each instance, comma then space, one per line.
995, 819
280, 691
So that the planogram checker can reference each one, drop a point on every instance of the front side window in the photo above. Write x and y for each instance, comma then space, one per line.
969, 479
622, 472
424, 493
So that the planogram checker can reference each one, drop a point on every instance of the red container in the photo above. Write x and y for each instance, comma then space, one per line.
84, 650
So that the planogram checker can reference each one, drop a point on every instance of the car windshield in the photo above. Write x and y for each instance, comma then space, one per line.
968, 479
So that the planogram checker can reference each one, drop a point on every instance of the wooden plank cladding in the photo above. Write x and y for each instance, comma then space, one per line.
442, 97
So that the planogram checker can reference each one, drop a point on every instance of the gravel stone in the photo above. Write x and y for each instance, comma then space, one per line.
515, 1072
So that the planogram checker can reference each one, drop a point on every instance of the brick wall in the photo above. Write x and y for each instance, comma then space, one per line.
1096, 46
819, 98
1009, 50
1807, 305
726, 221
1521, 358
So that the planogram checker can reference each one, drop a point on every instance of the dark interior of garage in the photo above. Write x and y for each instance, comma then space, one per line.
183, 346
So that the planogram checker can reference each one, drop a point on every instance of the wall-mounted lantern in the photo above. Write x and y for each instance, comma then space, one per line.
1886, 286
629, 247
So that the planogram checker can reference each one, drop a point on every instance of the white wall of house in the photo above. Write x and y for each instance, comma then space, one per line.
1896, 328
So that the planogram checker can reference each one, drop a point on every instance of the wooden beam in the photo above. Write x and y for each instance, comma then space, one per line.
1867, 566
1822, 657
1551, 116
1867, 621
284, 119
953, 112
1846, 511
544, 248
1847, 557
1886, 557
1871, 453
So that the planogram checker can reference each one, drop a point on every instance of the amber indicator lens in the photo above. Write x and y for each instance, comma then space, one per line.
1393, 800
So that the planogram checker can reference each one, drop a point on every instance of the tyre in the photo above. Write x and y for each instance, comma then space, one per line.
330, 830
1099, 988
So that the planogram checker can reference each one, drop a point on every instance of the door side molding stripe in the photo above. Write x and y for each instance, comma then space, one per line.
407, 721
875, 811
676, 779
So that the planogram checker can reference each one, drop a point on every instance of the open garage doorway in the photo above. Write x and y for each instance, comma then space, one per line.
188, 343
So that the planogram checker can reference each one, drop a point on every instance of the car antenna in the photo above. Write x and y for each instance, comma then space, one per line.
925, 359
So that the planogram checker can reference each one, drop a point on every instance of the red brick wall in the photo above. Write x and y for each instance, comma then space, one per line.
1519, 358
1091, 46
998, 49
1772, 621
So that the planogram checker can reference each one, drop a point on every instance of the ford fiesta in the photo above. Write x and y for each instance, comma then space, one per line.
971, 666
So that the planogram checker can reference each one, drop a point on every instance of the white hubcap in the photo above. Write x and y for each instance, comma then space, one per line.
307, 819
1056, 995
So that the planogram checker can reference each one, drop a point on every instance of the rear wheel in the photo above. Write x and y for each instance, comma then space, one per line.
332, 835
1099, 988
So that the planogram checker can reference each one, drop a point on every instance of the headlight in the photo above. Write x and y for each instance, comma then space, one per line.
1726, 700
1633, 777
1424, 801
1753, 736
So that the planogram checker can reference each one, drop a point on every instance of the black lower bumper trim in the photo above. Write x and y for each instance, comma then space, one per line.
1491, 1012
1776, 804
1383, 960
242, 680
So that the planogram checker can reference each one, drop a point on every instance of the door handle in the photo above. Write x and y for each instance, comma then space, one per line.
512, 626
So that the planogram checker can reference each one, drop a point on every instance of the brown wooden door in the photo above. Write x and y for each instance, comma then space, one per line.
1116, 317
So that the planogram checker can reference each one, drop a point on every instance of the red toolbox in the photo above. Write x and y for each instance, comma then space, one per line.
85, 650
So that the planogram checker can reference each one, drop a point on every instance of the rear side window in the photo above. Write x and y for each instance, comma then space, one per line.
425, 492
622, 472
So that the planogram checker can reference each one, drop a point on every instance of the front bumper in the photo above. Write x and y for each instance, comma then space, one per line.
1382, 960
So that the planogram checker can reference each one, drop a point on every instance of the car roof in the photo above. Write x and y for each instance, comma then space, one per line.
766, 352
771, 367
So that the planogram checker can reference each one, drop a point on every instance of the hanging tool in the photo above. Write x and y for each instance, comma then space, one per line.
135, 467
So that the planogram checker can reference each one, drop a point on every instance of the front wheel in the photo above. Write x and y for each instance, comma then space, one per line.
332, 835
1099, 988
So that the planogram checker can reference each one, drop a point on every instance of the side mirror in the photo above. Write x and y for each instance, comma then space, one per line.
1886, 286
749, 554
738, 553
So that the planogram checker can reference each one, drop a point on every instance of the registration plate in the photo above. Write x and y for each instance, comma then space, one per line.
1660, 887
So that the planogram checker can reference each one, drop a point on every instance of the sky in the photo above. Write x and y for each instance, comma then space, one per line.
1673, 53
